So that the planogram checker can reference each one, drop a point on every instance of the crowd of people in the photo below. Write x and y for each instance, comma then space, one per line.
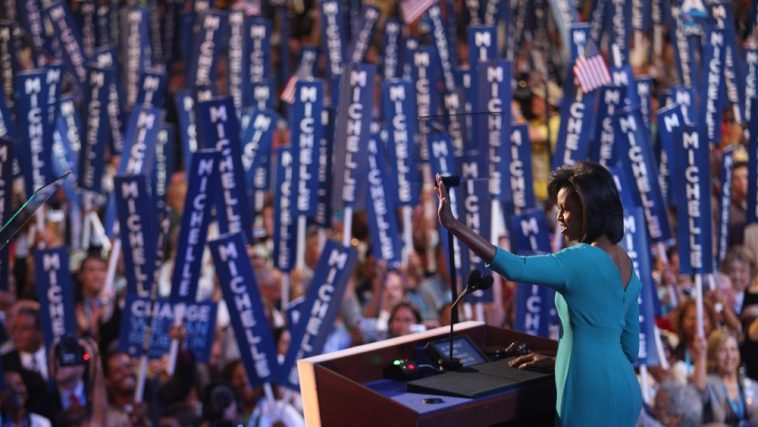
707, 378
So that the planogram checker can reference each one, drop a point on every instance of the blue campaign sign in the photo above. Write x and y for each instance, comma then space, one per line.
238, 79
577, 111
352, 133
333, 36
307, 130
53, 78
391, 45
285, 224
636, 245
362, 40
751, 215
95, 118
138, 157
443, 161
258, 50
401, 124
325, 155
714, 88
602, 149
86, 18
670, 124
165, 165
621, 31
199, 319
32, 116
139, 231
137, 50
70, 39
257, 140
725, 201
734, 77
475, 210
691, 186
185, 107
382, 215
529, 232
207, 41
494, 122
261, 95
424, 77
455, 121
105, 58
685, 97
643, 86
443, 47
56, 296
482, 42
8, 62
318, 312
151, 88
636, 156
6, 203
218, 128
535, 306
519, 170
203, 179
248, 318
751, 77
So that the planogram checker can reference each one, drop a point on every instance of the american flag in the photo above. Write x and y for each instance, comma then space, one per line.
288, 94
412, 9
590, 69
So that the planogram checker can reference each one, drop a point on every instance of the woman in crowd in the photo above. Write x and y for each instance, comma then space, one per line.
402, 318
727, 397
596, 295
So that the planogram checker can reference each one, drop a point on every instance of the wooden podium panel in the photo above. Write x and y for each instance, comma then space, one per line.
346, 388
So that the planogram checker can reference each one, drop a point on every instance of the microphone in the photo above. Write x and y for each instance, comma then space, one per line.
474, 283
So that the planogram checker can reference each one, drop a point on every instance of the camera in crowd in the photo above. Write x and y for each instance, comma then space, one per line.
70, 353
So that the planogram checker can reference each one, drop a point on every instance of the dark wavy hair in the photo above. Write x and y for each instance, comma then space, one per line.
602, 213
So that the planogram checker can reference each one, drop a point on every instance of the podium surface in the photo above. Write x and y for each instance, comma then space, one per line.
348, 388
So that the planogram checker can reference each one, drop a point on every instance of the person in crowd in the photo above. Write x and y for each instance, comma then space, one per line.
749, 318
675, 405
597, 295
121, 382
739, 265
685, 326
28, 355
93, 307
246, 397
403, 317
180, 415
13, 411
387, 292
738, 204
728, 397
723, 300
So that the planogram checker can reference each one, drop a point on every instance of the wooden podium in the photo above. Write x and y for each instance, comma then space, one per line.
347, 388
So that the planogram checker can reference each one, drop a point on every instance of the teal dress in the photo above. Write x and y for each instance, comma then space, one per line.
594, 376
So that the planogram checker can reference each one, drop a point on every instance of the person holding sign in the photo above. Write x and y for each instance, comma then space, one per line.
596, 297
727, 396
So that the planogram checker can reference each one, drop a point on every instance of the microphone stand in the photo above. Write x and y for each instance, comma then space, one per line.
450, 182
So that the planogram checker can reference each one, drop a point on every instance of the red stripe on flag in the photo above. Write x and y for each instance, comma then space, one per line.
412, 9
288, 94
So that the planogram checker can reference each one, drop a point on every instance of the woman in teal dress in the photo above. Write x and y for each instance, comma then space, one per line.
596, 295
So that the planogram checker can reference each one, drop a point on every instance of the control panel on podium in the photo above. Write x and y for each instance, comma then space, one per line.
402, 381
